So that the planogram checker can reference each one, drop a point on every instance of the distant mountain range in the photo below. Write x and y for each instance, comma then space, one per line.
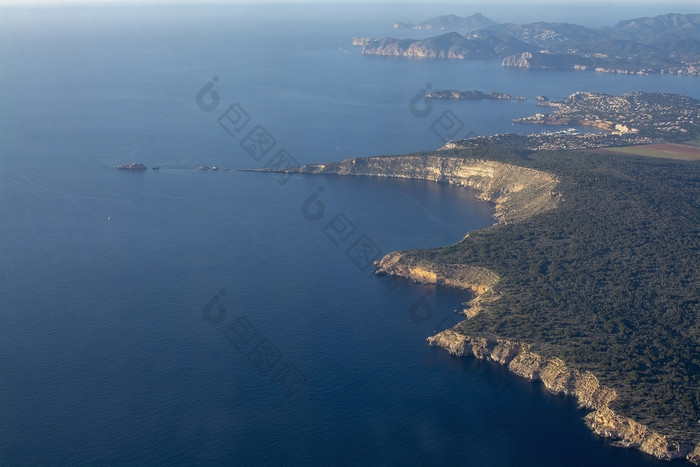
451, 22
662, 44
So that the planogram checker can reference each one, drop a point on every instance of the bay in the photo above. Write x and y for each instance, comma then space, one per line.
184, 316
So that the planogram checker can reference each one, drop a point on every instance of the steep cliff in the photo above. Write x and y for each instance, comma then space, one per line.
473, 278
546, 61
560, 379
452, 45
546, 281
518, 60
631, 434
516, 192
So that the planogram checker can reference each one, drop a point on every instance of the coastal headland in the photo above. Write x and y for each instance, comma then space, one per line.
570, 287
587, 281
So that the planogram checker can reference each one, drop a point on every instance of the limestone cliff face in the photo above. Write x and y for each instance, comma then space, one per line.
478, 280
518, 60
414, 50
560, 379
546, 61
631, 434
694, 456
556, 376
516, 192
361, 41
451, 45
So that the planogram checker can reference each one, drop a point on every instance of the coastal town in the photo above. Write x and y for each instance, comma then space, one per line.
570, 139
660, 115
630, 119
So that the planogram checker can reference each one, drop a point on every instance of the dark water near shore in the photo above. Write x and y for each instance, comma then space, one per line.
178, 316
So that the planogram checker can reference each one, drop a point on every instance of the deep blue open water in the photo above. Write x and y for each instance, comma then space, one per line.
199, 317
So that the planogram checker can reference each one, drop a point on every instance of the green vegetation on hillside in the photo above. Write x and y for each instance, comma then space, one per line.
608, 281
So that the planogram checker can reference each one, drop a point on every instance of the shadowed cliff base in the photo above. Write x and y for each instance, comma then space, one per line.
588, 281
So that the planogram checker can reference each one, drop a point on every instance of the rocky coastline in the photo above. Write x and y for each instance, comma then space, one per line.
558, 378
665, 44
517, 194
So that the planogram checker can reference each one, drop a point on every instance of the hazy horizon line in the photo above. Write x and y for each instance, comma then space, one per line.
343, 2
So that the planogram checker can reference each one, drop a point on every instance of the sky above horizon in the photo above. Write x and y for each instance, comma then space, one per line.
589, 13
358, 2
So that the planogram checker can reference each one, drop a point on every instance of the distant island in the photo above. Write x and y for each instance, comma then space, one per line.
588, 280
661, 44
132, 166
472, 95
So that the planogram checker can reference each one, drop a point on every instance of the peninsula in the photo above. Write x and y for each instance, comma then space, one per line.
472, 95
630, 119
656, 115
587, 282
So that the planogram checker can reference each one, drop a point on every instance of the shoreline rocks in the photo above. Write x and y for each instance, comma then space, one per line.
558, 378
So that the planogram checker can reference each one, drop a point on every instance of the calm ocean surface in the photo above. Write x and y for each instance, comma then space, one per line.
183, 316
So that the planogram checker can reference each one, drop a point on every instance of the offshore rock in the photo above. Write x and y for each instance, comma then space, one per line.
132, 166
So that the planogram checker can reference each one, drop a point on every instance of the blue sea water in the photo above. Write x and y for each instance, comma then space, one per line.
199, 317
